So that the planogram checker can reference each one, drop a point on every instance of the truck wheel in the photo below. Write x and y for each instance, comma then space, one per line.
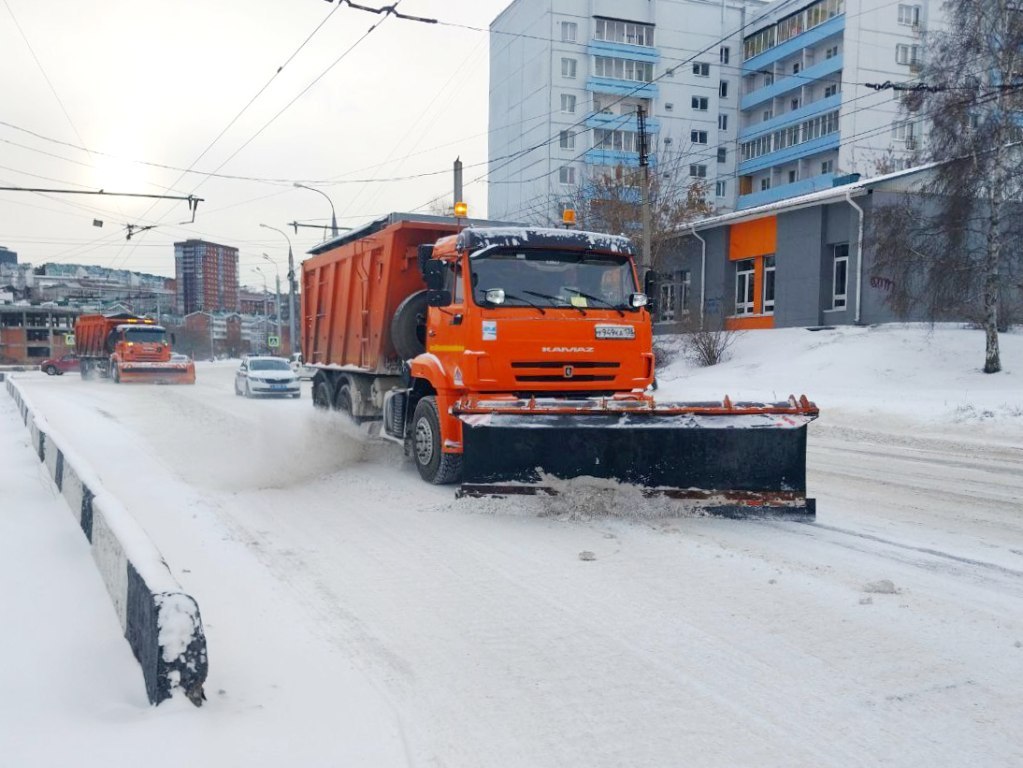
408, 326
433, 464
343, 402
321, 395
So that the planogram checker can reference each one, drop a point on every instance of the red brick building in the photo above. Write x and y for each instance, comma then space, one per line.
206, 277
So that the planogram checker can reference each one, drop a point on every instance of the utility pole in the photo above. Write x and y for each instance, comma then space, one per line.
292, 330
644, 162
458, 180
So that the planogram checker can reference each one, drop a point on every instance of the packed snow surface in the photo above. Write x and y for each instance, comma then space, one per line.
357, 616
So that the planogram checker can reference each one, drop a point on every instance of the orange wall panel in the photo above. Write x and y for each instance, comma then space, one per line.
752, 238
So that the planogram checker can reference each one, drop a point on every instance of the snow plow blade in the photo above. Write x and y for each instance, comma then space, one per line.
158, 373
728, 459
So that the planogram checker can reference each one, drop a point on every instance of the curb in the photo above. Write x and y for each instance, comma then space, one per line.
160, 621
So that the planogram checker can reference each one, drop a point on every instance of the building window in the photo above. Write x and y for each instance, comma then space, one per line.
767, 115
568, 68
840, 276
566, 174
831, 53
568, 31
698, 171
792, 177
701, 69
794, 105
722, 122
903, 131
796, 67
674, 297
768, 79
700, 103
907, 54
720, 187
668, 141
765, 183
831, 90
724, 54
629, 32
723, 89
722, 155
909, 15
744, 287
698, 137
567, 102
623, 69
828, 166
567, 140
620, 141
769, 285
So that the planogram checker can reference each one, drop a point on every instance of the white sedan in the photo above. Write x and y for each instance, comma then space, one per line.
266, 376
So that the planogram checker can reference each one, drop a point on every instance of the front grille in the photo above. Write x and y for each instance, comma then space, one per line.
563, 363
606, 375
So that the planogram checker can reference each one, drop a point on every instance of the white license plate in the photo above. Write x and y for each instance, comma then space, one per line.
278, 386
616, 332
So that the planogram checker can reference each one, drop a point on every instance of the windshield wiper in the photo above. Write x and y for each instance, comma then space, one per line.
615, 307
556, 299
513, 297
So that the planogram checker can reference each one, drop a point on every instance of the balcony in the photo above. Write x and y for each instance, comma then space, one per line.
786, 119
621, 87
790, 154
794, 44
785, 191
791, 82
626, 122
613, 157
623, 51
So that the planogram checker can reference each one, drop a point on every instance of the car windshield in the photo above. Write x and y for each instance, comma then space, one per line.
553, 278
276, 364
144, 335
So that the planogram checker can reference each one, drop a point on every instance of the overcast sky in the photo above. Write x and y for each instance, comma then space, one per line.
97, 94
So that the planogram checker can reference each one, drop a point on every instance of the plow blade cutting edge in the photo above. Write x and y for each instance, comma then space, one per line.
733, 460
158, 373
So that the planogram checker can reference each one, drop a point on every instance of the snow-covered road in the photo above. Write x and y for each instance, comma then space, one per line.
342, 593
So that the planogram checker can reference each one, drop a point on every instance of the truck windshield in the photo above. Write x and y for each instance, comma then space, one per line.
145, 335
553, 278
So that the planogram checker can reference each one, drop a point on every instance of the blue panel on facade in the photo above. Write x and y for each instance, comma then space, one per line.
787, 155
794, 45
620, 123
612, 157
623, 51
621, 87
791, 82
821, 106
785, 191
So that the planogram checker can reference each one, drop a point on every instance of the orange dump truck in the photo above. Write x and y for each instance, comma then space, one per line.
126, 347
507, 357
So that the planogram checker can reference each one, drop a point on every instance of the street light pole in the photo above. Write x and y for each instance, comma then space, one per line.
333, 216
266, 312
277, 310
291, 290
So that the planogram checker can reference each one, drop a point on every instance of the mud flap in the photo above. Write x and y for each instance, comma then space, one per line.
731, 465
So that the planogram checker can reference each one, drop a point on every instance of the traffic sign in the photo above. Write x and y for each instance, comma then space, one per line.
273, 341
69, 339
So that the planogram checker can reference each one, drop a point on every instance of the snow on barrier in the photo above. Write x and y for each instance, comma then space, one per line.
160, 621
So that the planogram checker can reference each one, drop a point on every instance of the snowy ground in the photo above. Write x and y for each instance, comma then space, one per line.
356, 616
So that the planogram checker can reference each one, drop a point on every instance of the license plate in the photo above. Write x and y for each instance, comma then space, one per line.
616, 332
278, 386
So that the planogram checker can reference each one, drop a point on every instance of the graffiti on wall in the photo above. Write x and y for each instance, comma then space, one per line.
882, 283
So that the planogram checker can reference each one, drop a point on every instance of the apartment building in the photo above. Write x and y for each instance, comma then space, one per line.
761, 100
206, 277
808, 115
567, 78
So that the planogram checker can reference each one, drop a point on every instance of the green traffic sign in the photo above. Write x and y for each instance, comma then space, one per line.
273, 341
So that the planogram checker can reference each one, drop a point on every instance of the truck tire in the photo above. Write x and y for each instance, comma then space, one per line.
434, 465
322, 395
408, 326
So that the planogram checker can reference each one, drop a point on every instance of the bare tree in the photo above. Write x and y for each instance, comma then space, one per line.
956, 236
611, 201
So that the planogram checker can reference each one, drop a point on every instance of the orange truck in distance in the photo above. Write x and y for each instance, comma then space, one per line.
127, 348
506, 357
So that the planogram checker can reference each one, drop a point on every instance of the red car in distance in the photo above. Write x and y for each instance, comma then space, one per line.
57, 366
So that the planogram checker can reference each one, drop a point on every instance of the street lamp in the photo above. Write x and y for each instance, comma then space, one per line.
266, 312
333, 217
277, 311
291, 289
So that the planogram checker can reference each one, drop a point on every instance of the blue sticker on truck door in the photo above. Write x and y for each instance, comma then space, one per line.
489, 330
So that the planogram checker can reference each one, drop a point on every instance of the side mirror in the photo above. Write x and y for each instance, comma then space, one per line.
438, 298
433, 274
650, 289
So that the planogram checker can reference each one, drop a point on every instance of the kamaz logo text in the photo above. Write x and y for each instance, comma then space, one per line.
562, 350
